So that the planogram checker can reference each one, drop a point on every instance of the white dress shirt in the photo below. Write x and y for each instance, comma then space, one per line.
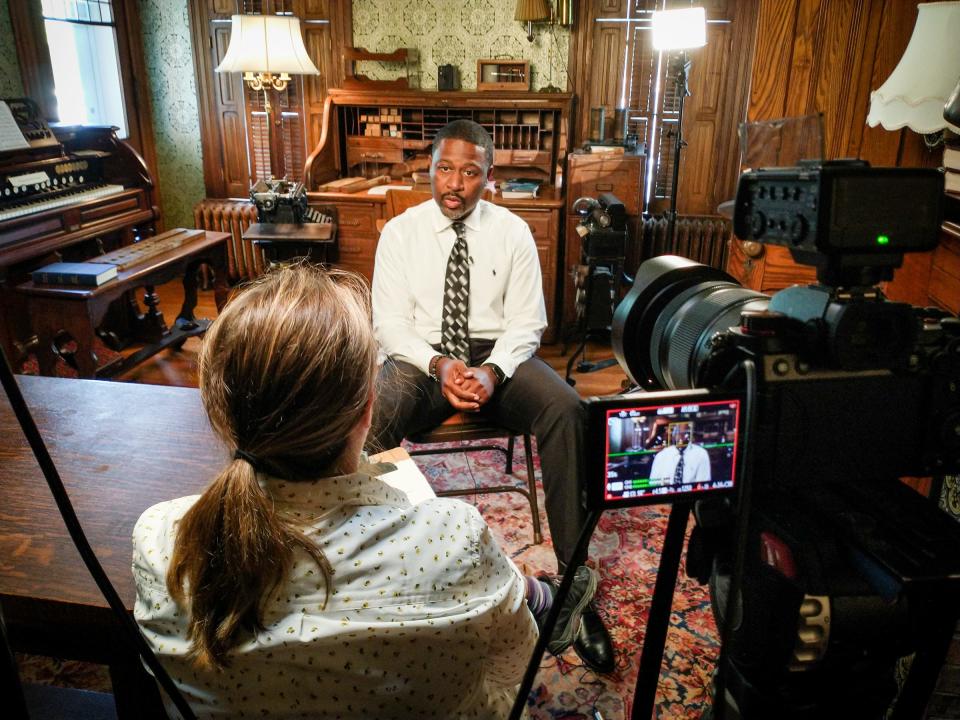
696, 464
506, 289
427, 617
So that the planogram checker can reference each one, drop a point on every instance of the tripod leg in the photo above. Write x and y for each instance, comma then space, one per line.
651, 656
573, 358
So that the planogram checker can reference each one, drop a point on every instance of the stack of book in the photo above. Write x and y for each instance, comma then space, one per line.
82, 274
951, 170
951, 166
519, 188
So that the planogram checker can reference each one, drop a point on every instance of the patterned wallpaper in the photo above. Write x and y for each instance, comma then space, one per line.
458, 33
10, 85
173, 100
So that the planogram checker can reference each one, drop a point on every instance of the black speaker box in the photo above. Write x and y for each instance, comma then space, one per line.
448, 77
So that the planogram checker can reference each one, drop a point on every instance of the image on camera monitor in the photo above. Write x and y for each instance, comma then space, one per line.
663, 450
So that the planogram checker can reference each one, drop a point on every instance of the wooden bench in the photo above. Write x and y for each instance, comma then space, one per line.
78, 311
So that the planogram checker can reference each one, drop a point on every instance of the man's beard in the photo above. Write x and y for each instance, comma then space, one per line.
454, 213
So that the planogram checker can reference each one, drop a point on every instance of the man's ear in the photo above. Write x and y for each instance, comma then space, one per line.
490, 173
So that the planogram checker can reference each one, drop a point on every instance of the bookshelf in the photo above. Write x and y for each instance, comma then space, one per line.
380, 130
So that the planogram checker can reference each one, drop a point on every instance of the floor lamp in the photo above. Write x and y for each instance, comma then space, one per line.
268, 49
680, 29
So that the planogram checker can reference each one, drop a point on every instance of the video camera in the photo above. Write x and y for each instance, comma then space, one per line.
818, 399
603, 241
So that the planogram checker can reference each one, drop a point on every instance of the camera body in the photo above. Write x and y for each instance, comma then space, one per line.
845, 568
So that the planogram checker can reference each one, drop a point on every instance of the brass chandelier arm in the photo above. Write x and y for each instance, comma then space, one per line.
264, 80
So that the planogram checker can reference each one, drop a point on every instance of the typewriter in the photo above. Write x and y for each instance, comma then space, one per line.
284, 201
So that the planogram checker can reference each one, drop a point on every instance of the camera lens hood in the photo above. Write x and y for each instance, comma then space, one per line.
661, 327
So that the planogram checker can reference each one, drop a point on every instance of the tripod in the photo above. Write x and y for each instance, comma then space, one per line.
599, 287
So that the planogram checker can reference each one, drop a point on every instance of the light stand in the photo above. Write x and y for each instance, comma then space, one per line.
683, 90
678, 30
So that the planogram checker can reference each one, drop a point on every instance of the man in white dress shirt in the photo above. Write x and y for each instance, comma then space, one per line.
458, 309
683, 462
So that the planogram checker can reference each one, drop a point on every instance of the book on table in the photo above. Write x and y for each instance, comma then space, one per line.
951, 157
83, 274
951, 181
519, 188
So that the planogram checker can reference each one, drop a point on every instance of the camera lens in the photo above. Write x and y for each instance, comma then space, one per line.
661, 330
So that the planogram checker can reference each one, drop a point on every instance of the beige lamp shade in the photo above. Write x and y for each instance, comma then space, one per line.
532, 10
267, 44
916, 91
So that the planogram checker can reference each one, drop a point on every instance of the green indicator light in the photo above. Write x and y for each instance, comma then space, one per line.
883, 239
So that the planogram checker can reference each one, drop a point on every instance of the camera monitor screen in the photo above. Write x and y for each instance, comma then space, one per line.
655, 448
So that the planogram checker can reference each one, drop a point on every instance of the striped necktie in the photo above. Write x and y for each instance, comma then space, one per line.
454, 332
678, 473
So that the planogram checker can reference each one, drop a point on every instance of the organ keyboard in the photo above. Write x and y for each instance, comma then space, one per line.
73, 193
63, 198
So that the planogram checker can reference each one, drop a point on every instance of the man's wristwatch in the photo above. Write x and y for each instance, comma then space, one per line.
497, 373
432, 367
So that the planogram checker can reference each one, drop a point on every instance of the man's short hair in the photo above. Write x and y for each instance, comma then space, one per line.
468, 131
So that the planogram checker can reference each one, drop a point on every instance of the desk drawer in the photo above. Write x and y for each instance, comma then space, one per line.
356, 221
539, 223
383, 150
521, 158
945, 274
590, 175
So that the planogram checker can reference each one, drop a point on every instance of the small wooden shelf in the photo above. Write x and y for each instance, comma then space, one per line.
409, 57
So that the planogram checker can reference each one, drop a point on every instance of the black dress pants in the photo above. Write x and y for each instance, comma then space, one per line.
535, 400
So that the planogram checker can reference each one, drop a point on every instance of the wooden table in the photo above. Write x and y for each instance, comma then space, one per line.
285, 241
120, 448
55, 309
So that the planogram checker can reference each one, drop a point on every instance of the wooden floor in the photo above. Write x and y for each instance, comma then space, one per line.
179, 368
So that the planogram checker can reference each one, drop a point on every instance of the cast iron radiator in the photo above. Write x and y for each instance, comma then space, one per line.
702, 238
245, 261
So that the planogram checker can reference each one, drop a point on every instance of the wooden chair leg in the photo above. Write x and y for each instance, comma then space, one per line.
532, 489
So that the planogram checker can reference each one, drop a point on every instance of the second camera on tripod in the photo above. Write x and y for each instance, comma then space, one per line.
603, 233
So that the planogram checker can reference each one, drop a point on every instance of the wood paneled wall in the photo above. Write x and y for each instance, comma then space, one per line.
827, 56
719, 87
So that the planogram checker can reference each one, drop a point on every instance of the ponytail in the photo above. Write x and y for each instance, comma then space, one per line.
233, 549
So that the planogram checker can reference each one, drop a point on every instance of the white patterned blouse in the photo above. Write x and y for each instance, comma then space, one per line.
426, 619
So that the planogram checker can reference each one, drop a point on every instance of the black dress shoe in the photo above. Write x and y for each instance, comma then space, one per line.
582, 589
592, 642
